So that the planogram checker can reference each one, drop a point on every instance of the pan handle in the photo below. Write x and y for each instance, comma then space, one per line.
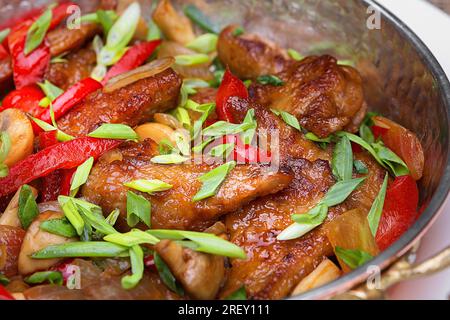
403, 269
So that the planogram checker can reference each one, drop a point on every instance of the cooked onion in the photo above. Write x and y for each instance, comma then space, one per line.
168, 120
145, 71
155, 131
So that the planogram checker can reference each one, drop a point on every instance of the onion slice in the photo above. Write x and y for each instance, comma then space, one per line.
148, 70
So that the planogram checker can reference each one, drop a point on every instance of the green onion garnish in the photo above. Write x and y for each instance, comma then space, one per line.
247, 135
212, 180
4, 33
205, 43
60, 135
149, 186
51, 91
166, 275
342, 161
360, 167
138, 208
222, 150
5, 147
239, 294
53, 277
295, 55
353, 258
36, 33
114, 131
376, 210
28, 209
81, 249
169, 159
81, 175
238, 32
132, 238
271, 80
60, 227
71, 212
222, 128
137, 268
288, 118
191, 59
193, 13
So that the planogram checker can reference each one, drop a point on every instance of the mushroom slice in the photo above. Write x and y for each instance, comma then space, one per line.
37, 239
200, 274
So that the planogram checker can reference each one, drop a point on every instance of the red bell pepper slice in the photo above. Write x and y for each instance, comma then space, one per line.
26, 99
231, 86
59, 13
66, 155
3, 52
133, 58
51, 184
71, 97
66, 180
149, 263
378, 132
399, 211
4, 294
245, 153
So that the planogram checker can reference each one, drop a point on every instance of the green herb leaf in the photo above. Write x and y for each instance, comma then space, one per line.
137, 268
342, 161
4, 170
138, 208
353, 258
112, 217
149, 186
346, 62
106, 20
360, 167
362, 143
271, 80
288, 118
4, 33
51, 91
114, 131
61, 136
36, 33
376, 210
154, 33
340, 191
239, 294
166, 275
81, 174
182, 116
315, 216
239, 31
28, 208
295, 55
53, 277
191, 59
193, 13
366, 134
60, 227
395, 163
206, 110
212, 180
169, 159
205, 43
222, 128
96, 220
71, 212
132, 238
90, 249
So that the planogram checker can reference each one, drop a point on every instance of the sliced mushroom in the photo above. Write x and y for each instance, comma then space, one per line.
11, 215
18, 126
37, 239
200, 274
155, 131
175, 27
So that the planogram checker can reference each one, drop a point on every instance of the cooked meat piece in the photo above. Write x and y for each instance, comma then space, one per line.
132, 105
273, 267
78, 66
324, 96
204, 95
174, 208
10, 242
60, 40
248, 56
200, 274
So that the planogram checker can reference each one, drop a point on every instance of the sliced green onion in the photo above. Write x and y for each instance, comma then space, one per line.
206, 110
295, 55
114, 131
315, 216
4, 33
182, 116
112, 217
169, 159
165, 147
247, 83
205, 43
105, 20
71, 212
199, 148
4, 279
154, 33
138, 208
36, 33
5, 145
4, 170
149, 186
239, 294
191, 59
222, 128
376, 209
137, 268
239, 31
60, 227
247, 135
96, 220
205, 242
166, 275
193, 83
51, 91
61, 136
222, 150
132, 238
28, 209
183, 142
289, 119
53, 277
45, 102
360, 167
270, 80
353, 258
395, 163
346, 62
340, 191
212, 180
193, 13
81, 174
93, 17
80, 249
342, 161
59, 59
366, 134
311, 136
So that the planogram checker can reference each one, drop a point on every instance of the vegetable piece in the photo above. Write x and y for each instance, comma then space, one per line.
239, 31
37, 31
60, 227
71, 97
16, 137
138, 208
90, 249
351, 231
169, 159
10, 216
324, 273
74, 217
342, 162
51, 91
81, 174
289, 119
155, 131
64, 155
4, 294
166, 275
206, 43
231, 86
53, 277
28, 209
133, 58
295, 55
353, 258
137, 268
270, 80
200, 19
239, 294
222, 128
404, 143
376, 209
399, 211
203, 242
212, 180
26, 99
191, 59
360, 167
132, 238
61, 136
149, 186
114, 131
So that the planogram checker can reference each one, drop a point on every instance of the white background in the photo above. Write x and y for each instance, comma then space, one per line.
433, 27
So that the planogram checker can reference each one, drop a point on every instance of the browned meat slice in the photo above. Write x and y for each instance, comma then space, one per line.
174, 209
324, 96
248, 56
132, 105
78, 66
